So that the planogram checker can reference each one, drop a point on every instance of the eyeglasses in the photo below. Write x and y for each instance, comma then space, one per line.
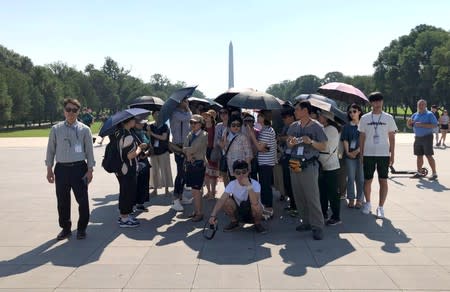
239, 172
352, 112
71, 109
236, 125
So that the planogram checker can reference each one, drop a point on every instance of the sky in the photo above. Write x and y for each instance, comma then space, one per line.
188, 40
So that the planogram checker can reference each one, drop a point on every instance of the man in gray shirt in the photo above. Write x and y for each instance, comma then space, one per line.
70, 144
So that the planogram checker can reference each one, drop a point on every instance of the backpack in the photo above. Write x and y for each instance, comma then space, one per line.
112, 159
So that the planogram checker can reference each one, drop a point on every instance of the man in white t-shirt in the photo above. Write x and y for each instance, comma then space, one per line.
377, 143
241, 200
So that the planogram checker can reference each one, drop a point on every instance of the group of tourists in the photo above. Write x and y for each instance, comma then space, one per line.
305, 161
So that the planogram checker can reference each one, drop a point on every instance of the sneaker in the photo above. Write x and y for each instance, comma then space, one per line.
332, 222
260, 229
132, 218
317, 233
231, 227
380, 212
438, 144
141, 208
434, 177
417, 175
367, 208
186, 201
177, 206
128, 223
303, 227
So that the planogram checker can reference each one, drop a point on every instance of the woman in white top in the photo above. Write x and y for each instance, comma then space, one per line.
443, 124
328, 176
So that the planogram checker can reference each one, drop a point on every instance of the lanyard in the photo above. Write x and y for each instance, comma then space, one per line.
378, 123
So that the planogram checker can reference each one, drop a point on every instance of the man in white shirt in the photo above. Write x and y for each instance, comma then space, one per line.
241, 200
377, 143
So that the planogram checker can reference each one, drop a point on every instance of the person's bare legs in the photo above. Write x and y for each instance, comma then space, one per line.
419, 162
197, 202
383, 191
367, 189
230, 209
432, 163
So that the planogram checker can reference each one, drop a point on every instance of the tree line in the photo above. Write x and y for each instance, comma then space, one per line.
413, 66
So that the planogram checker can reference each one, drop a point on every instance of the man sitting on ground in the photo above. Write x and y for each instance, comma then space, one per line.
241, 200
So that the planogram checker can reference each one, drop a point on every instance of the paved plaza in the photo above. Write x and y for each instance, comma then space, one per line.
410, 250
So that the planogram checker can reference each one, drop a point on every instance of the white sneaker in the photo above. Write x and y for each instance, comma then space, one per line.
186, 201
380, 212
177, 206
367, 208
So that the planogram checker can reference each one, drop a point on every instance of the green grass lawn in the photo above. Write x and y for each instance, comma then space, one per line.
40, 132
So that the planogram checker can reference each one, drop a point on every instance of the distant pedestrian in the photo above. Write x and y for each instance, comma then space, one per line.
377, 142
70, 144
434, 110
423, 123
443, 125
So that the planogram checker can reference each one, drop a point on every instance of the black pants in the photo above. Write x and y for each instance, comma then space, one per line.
179, 179
143, 183
328, 181
254, 167
127, 195
287, 180
67, 178
265, 173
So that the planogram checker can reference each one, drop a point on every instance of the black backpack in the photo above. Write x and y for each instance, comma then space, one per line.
112, 159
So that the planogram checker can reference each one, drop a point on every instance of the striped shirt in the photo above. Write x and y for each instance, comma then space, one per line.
267, 136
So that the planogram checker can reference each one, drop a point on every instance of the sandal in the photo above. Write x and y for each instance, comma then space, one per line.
358, 205
351, 204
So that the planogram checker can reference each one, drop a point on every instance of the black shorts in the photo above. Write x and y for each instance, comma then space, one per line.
423, 145
244, 211
444, 127
195, 176
381, 163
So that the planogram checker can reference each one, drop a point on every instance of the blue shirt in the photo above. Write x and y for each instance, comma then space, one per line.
426, 117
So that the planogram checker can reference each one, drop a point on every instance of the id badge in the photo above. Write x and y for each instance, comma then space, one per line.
300, 151
376, 139
353, 144
156, 144
78, 148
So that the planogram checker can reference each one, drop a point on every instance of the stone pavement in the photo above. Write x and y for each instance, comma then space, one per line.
408, 251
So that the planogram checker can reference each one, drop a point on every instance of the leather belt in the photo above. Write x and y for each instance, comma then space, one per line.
70, 164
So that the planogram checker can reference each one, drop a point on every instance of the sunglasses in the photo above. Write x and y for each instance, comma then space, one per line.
239, 172
71, 109
236, 125
352, 112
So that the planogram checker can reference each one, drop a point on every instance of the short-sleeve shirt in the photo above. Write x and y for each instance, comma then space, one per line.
350, 134
128, 144
314, 131
377, 125
240, 193
426, 117
160, 146
267, 136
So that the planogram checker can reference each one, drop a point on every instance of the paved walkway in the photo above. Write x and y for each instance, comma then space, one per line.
408, 251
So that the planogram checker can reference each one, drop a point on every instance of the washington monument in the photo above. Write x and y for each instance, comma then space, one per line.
230, 66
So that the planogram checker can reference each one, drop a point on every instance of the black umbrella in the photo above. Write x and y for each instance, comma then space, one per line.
255, 100
150, 103
209, 103
110, 125
225, 97
325, 104
172, 102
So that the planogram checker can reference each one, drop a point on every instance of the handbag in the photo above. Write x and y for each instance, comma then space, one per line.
223, 165
216, 154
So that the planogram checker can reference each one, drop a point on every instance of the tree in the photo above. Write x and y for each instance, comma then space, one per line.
5, 102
